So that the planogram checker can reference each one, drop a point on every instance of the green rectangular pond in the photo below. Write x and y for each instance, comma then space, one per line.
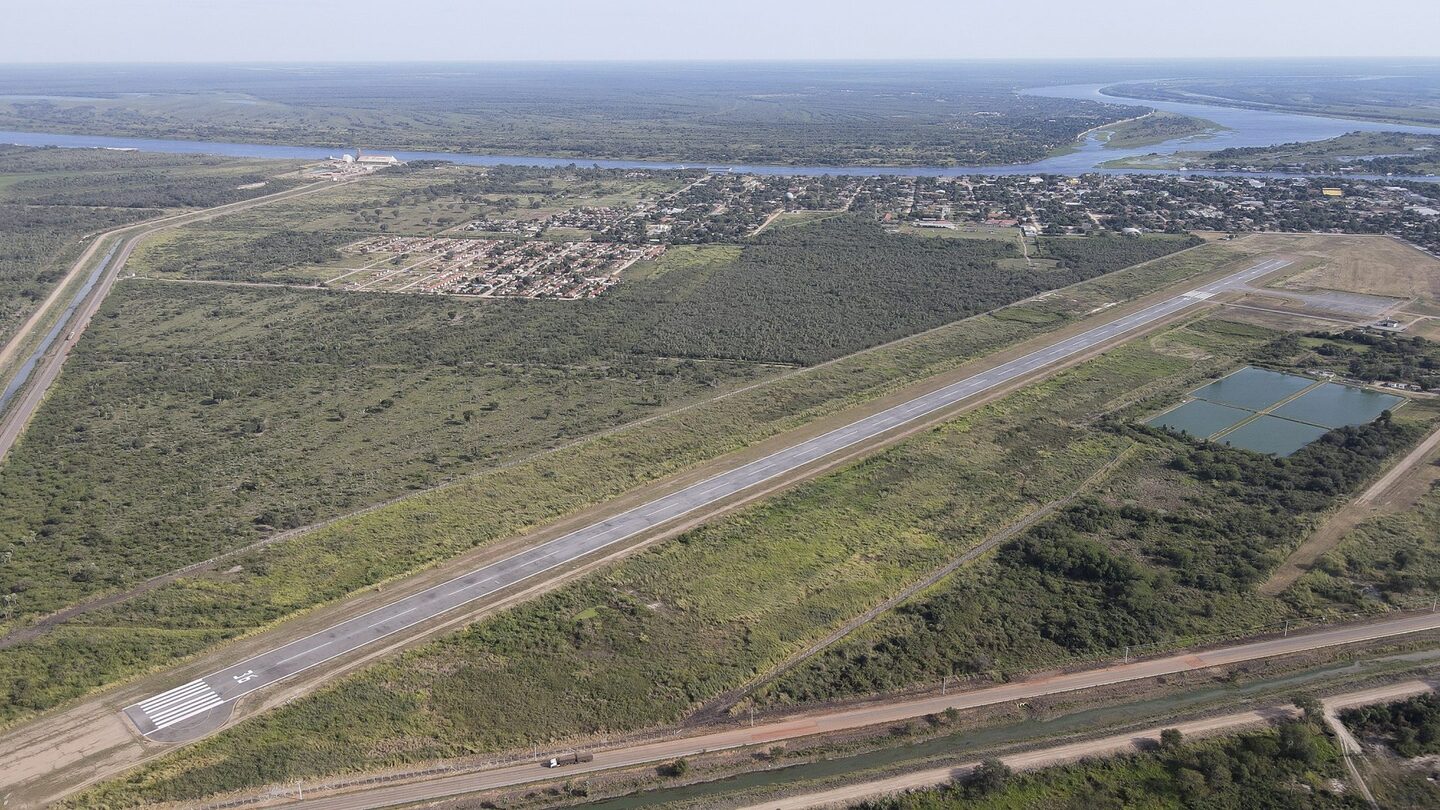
1269, 434
1229, 401
1199, 418
1334, 406
1253, 388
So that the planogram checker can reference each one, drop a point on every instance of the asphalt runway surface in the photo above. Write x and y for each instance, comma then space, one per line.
194, 708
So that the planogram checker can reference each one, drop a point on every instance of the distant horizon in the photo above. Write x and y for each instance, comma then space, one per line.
1389, 58
585, 31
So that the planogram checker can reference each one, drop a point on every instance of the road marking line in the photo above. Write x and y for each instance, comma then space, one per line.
179, 700
187, 709
163, 696
198, 711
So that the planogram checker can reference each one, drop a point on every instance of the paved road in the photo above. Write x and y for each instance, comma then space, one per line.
198, 706
842, 720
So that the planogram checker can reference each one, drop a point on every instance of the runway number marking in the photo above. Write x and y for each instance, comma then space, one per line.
247, 675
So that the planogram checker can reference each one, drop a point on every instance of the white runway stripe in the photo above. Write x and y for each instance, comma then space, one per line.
181, 703
200, 709
166, 696
181, 709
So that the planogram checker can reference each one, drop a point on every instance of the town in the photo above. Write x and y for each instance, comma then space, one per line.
490, 268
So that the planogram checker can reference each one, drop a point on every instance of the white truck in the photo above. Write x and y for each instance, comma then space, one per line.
568, 759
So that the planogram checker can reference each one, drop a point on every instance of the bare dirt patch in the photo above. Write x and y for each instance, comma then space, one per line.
1377, 265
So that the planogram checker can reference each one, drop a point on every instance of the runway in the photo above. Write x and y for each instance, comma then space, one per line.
195, 707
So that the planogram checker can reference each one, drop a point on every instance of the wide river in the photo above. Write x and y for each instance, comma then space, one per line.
1243, 127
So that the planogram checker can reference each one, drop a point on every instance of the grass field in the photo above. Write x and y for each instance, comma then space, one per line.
1375, 266
328, 563
1154, 128
1171, 550
1392, 557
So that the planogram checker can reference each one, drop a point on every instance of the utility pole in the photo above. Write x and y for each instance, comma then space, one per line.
1127, 653
752, 715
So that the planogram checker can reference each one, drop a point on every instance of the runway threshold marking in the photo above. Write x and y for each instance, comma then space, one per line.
230, 684
179, 704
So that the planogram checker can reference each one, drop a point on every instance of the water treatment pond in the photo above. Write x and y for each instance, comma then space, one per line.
1253, 389
1333, 406
1277, 437
1199, 418
1272, 412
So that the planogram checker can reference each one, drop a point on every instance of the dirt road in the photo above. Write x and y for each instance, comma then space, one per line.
861, 716
1385, 495
1062, 754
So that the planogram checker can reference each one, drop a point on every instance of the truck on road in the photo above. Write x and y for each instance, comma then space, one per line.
568, 759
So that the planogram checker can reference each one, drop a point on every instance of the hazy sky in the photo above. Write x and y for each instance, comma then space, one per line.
388, 30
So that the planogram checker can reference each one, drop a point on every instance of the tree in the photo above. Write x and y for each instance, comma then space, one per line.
1171, 739
1191, 784
678, 768
988, 777
1310, 705
1297, 742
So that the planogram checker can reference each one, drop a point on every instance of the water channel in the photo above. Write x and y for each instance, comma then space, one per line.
1243, 127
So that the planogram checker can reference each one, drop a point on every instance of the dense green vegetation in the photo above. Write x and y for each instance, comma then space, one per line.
1108, 252
796, 295
1369, 152
191, 421
265, 256
34, 244
759, 113
1290, 768
1410, 727
333, 561
618, 651
1402, 739
214, 417
1363, 355
1174, 548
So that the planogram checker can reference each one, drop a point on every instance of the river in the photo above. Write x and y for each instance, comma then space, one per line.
1244, 127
